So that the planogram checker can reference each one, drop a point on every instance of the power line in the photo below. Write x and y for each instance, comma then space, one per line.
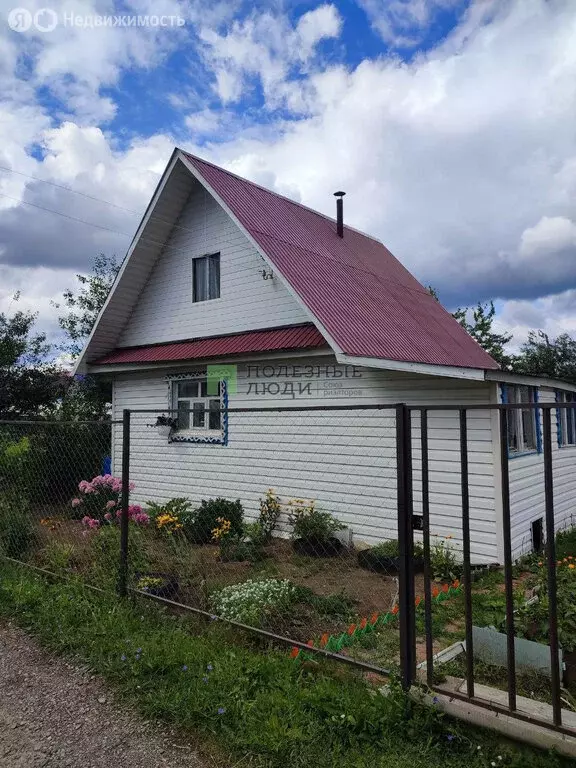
69, 189
91, 197
65, 215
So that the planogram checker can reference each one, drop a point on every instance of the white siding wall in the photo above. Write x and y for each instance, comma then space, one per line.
346, 460
165, 311
527, 486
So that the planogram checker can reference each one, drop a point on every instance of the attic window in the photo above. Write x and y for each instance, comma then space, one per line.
206, 277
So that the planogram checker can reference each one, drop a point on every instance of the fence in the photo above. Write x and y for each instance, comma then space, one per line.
373, 534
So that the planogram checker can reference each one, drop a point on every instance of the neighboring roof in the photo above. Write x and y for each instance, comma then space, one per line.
506, 377
367, 302
272, 340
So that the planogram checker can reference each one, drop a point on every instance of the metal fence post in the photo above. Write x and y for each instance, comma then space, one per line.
125, 502
405, 544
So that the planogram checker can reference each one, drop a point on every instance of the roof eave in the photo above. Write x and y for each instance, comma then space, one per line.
425, 369
506, 377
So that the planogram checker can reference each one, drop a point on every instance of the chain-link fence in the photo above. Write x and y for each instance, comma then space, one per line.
276, 527
45, 469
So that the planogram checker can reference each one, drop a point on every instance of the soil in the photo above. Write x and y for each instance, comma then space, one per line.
57, 715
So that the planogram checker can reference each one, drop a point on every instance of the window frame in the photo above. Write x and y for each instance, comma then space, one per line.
512, 393
566, 419
199, 433
209, 259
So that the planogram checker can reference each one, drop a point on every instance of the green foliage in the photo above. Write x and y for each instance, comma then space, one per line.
391, 548
179, 507
17, 532
542, 356
205, 519
479, 322
254, 602
85, 305
58, 556
263, 709
28, 384
337, 606
310, 523
105, 554
53, 458
566, 543
445, 564
532, 620
270, 509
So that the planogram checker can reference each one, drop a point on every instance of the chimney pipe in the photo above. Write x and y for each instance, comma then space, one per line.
339, 213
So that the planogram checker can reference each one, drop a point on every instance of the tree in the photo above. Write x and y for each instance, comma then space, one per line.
86, 303
554, 359
479, 322
29, 385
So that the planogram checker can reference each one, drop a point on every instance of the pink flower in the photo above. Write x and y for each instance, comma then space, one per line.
141, 518
83, 485
111, 504
76, 502
108, 516
94, 523
134, 509
85, 519
131, 486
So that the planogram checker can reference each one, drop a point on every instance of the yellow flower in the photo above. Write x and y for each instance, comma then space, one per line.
572, 566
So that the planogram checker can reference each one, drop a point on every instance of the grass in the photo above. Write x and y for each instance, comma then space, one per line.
262, 710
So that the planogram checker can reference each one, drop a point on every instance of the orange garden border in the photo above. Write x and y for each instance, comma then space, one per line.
336, 643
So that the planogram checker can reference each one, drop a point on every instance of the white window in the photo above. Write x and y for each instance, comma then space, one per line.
206, 278
567, 419
197, 411
523, 426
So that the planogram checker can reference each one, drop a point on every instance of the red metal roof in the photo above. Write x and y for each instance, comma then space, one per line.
369, 304
273, 340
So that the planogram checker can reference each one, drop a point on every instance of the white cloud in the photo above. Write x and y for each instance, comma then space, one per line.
402, 23
551, 233
552, 314
268, 47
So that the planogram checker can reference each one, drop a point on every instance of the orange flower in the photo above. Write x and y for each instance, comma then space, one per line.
456, 584
445, 588
310, 643
540, 565
374, 618
363, 623
418, 601
435, 592
324, 640
571, 566
294, 652
395, 610
351, 629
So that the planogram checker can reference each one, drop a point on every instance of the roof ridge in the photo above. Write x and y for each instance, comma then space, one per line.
277, 194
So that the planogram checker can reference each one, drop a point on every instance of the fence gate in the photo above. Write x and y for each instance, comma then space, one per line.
414, 435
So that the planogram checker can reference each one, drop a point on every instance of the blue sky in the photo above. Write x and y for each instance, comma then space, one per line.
448, 122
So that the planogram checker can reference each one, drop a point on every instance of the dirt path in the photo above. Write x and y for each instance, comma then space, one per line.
55, 715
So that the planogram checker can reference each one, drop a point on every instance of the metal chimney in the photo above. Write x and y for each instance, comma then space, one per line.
339, 213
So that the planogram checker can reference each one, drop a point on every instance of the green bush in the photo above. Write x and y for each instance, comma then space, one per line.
205, 519
310, 523
445, 564
253, 602
58, 556
58, 455
17, 531
105, 554
391, 548
566, 543
179, 508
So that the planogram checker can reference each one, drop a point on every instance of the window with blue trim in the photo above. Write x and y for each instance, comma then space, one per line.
566, 419
199, 414
523, 432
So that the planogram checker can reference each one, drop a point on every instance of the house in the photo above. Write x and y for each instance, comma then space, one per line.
309, 312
